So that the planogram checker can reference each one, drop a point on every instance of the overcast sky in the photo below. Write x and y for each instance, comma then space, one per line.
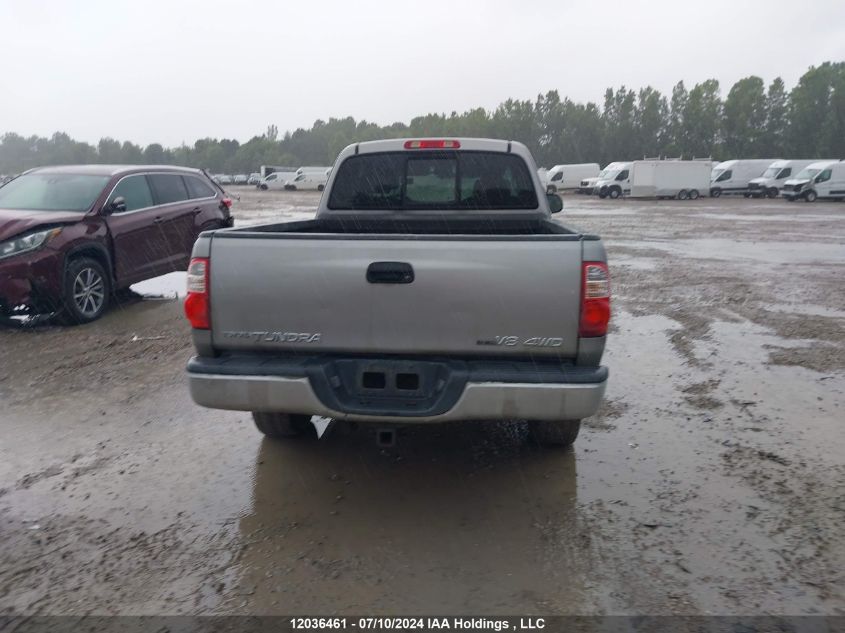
174, 71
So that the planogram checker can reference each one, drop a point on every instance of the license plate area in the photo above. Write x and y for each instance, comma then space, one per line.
381, 386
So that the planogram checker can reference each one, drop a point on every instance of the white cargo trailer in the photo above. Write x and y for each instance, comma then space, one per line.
312, 169
733, 176
562, 177
682, 179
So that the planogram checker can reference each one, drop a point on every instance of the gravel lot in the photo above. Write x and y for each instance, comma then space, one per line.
712, 481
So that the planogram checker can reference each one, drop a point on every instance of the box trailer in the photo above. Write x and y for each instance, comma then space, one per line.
682, 179
563, 177
733, 176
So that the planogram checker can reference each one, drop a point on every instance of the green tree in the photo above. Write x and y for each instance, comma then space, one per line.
109, 152
775, 142
620, 125
833, 128
676, 135
744, 119
702, 120
652, 123
810, 120
154, 154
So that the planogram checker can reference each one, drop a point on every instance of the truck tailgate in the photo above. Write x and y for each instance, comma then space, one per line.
498, 296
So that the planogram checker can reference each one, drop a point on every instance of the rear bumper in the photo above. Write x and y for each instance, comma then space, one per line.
483, 396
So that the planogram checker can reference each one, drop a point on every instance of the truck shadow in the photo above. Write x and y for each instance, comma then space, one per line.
453, 517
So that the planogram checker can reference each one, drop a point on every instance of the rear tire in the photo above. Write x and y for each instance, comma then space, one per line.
560, 433
810, 196
683, 194
715, 192
693, 194
283, 425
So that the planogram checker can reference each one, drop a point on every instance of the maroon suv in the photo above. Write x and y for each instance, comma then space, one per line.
70, 236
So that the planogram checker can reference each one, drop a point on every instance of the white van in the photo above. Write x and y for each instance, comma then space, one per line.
308, 181
543, 174
561, 177
276, 180
770, 183
682, 179
733, 176
587, 185
613, 181
824, 179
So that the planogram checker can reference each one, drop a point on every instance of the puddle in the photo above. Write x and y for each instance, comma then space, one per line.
808, 309
733, 250
754, 217
635, 263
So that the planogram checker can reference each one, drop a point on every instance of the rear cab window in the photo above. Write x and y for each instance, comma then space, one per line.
464, 180
168, 188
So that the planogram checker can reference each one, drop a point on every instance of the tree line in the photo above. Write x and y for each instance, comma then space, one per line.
752, 121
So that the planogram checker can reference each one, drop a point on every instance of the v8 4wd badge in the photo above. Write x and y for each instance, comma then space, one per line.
531, 341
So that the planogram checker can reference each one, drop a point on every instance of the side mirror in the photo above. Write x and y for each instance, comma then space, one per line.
118, 205
555, 202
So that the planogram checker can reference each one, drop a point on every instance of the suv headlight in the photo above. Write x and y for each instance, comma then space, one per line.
28, 242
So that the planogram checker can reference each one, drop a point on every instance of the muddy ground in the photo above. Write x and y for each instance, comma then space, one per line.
713, 480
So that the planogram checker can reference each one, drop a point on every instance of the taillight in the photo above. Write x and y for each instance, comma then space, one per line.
432, 144
595, 299
226, 202
197, 304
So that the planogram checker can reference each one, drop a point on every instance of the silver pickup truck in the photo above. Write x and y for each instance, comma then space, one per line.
431, 286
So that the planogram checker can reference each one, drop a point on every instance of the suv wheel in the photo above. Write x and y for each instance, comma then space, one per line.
283, 425
554, 432
86, 292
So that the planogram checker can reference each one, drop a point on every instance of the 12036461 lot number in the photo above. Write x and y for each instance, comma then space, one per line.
399, 624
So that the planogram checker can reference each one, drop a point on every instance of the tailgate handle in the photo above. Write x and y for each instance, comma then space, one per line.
390, 273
